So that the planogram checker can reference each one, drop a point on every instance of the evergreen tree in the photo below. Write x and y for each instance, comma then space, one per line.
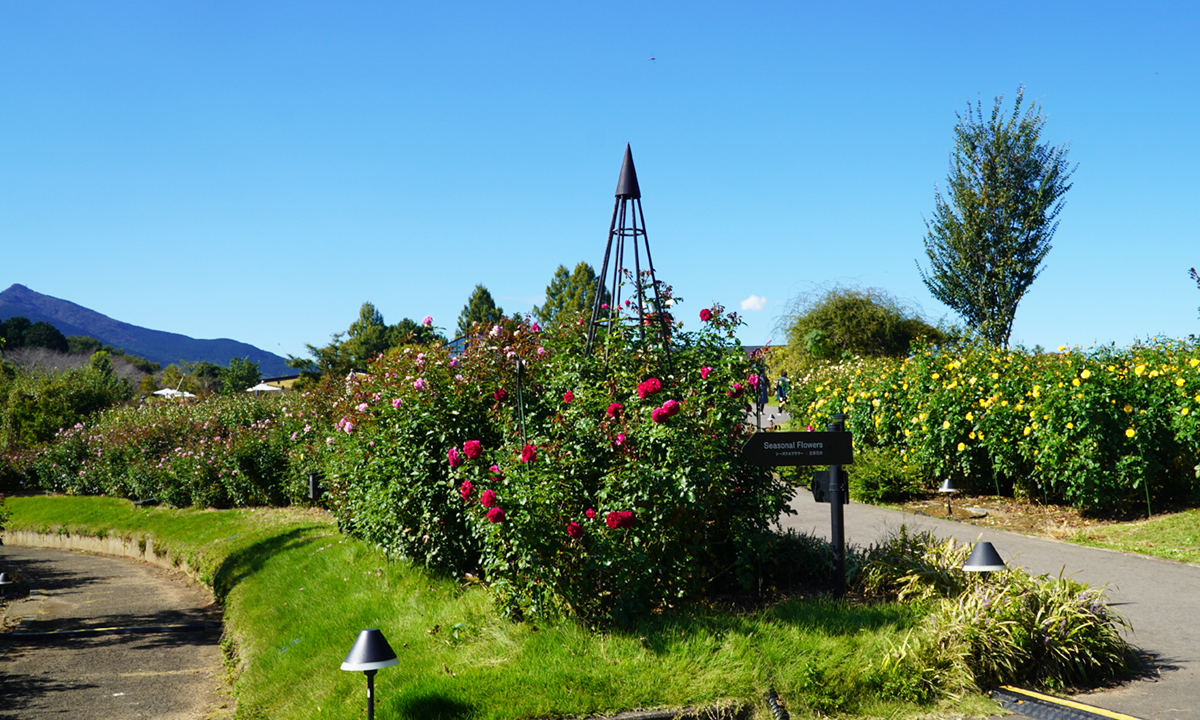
569, 294
480, 308
987, 239
241, 375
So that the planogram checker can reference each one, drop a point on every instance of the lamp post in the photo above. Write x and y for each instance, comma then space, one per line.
948, 489
370, 654
984, 558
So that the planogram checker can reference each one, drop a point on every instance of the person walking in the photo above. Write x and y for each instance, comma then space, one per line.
782, 387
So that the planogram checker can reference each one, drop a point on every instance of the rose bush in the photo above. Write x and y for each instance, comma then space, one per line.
574, 499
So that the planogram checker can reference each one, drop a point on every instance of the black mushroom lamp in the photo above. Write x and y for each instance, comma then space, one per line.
370, 654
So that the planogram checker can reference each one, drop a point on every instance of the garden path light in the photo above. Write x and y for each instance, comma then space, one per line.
984, 558
370, 654
948, 488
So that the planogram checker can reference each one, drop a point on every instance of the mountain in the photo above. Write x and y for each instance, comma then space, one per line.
154, 345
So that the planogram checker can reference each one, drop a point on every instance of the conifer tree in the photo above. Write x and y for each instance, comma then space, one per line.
480, 308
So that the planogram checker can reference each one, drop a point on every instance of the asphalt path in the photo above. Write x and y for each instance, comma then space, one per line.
102, 637
1160, 598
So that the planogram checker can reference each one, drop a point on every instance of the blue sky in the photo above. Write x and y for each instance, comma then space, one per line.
258, 170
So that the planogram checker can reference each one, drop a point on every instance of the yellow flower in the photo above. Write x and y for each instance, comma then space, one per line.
970, 417
995, 376
1183, 411
945, 424
1128, 408
1130, 432
1070, 426
1193, 362
1062, 347
1179, 382
1112, 368
979, 434
1028, 430
962, 446
972, 435
936, 376
1139, 370
1085, 374
1075, 382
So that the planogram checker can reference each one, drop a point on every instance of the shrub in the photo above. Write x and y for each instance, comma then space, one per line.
878, 475
603, 485
1105, 430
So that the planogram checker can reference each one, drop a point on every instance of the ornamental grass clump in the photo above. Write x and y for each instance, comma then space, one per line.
605, 486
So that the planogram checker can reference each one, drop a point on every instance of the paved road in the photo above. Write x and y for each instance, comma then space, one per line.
168, 675
1160, 598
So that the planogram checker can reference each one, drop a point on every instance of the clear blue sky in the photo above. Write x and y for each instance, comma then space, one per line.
258, 170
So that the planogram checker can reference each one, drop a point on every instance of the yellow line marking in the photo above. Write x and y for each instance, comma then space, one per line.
1070, 703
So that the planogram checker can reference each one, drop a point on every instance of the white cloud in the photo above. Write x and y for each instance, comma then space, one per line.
754, 302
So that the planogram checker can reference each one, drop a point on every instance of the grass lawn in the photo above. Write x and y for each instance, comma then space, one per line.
1174, 537
297, 593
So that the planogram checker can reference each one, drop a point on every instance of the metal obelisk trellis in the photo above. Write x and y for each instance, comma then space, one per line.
628, 223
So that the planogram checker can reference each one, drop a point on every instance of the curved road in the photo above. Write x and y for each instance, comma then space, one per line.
102, 637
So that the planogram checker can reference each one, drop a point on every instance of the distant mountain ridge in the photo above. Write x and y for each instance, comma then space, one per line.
154, 345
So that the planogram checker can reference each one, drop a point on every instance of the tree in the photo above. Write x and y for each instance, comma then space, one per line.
569, 294
840, 323
987, 239
83, 345
13, 331
480, 308
240, 375
367, 337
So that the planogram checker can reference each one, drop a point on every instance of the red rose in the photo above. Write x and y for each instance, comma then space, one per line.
452, 456
574, 530
496, 474
648, 387
613, 520
672, 407
529, 453
658, 415
501, 395
704, 371
472, 449
488, 499
706, 315
466, 489
620, 519
736, 391
568, 396
590, 513
614, 410
496, 515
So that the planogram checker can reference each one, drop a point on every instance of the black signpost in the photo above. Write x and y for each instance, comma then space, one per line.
834, 448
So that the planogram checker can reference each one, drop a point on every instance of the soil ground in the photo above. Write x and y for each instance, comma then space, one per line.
1058, 522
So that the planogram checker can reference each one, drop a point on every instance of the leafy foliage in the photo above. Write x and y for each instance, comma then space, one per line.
987, 240
841, 323
595, 485
35, 405
1105, 430
19, 332
367, 337
238, 376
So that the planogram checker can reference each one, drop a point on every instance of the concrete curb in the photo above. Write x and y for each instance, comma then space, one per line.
142, 549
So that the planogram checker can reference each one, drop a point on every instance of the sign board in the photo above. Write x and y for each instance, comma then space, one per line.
799, 448
822, 482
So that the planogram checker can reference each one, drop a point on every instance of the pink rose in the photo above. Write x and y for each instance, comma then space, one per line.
568, 396
496, 474
362, 407
496, 515
574, 530
465, 489
614, 410
488, 499
428, 321
455, 460
397, 403
541, 351
706, 315
704, 372
453, 362
472, 449
620, 439
529, 453
418, 383
590, 513
501, 395
535, 327
753, 380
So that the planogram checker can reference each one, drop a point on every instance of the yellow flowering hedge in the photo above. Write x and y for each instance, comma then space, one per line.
1101, 429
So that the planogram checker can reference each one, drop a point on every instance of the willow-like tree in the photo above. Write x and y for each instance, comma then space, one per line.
989, 235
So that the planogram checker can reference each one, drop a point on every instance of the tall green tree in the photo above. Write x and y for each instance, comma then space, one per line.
240, 375
569, 294
366, 338
989, 235
480, 308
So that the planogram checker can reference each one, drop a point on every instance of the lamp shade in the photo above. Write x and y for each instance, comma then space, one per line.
370, 652
984, 558
947, 486
4, 579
